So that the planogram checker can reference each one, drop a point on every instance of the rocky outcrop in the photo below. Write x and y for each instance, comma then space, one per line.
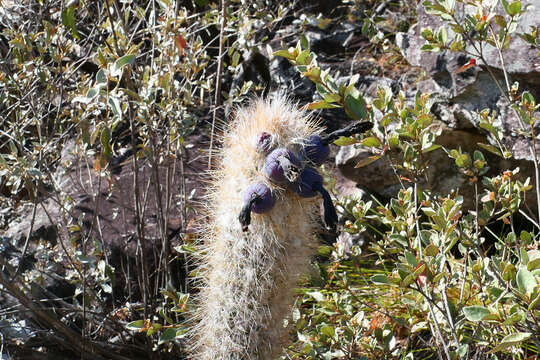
458, 96
461, 94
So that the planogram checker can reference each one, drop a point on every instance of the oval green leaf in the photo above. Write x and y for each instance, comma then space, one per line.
346, 140
167, 335
371, 141
367, 161
510, 340
135, 325
380, 279
525, 281
125, 60
475, 312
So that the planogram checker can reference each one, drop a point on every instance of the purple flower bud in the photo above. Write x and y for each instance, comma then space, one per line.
282, 165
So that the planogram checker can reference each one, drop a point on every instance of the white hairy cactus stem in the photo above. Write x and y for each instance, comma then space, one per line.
247, 277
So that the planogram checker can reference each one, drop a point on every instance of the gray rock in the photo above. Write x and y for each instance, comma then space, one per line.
520, 56
44, 226
461, 95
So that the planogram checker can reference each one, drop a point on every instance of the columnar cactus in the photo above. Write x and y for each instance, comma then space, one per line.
263, 214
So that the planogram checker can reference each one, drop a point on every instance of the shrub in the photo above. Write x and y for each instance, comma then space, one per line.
428, 269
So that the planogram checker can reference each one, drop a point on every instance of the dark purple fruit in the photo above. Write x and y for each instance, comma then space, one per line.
282, 165
316, 151
308, 185
257, 198
261, 198
264, 143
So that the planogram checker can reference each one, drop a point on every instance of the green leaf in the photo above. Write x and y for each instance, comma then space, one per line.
371, 142
511, 340
492, 149
328, 330
432, 48
125, 60
322, 104
346, 140
475, 312
431, 148
407, 281
135, 325
167, 335
477, 155
101, 78
116, 68
34, 172
114, 103
462, 350
304, 42
92, 93
527, 97
490, 128
442, 35
380, 279
106, 139
367, 161
506, 6
509, 271
186, 249
69, 21
318, 296
354, 79
235, 59
514, 8
431, 250
331, 97
534, 302
181, 333
355, 107
304, 58
525, 237
284, 53
513, 319
411, 259
534, 260
525, 281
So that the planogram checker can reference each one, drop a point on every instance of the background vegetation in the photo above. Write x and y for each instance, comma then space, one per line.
91, 88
